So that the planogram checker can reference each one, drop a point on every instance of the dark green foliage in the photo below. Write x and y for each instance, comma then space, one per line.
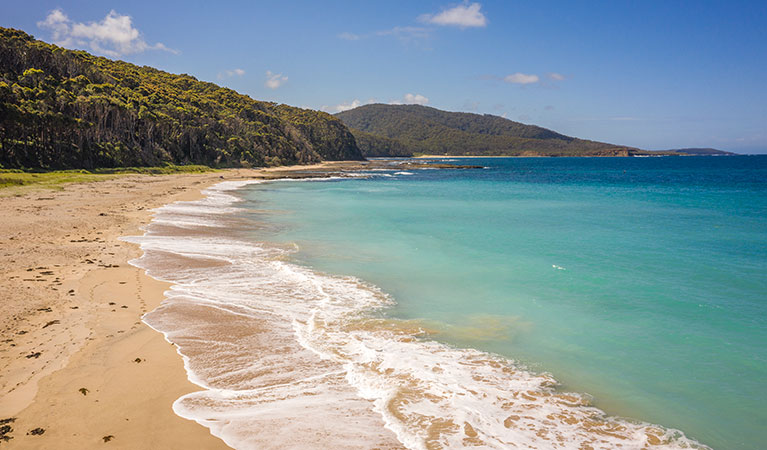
327, 134
374, 145
424, 130
698, 152
54, 178
69, 109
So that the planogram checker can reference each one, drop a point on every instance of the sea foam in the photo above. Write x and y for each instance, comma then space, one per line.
292, 358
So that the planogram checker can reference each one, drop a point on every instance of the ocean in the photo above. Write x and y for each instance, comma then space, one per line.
534, 303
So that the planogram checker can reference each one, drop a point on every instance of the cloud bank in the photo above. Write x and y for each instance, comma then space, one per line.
114, 35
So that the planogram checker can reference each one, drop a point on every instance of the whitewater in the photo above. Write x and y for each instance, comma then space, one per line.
290, 357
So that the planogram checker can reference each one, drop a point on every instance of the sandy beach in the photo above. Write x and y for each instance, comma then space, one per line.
78, 368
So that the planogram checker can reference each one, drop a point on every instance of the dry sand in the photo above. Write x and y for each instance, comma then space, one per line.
75, 358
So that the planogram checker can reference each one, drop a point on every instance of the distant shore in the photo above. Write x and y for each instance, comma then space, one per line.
474, 156
643, 154
516, 156
530, 156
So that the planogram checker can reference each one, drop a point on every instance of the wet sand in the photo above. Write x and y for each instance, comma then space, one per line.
78, 368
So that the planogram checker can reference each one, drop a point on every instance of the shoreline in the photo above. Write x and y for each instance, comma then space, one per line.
527, 156
119, 382
219, 321
77, 361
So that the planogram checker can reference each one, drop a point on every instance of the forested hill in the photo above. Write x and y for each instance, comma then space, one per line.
415, 129
698, 152
69, 109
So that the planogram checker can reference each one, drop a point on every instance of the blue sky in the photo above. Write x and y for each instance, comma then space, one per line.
650, 74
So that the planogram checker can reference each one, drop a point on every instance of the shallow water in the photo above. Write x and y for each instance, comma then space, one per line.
439, 309
638, 281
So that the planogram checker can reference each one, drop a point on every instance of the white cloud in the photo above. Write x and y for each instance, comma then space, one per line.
557, 76
275, 80
347, 106
417, 99
349, 36
58, 23
113, 36
602, 119
405, 33
410, 99
521, 78
463, 16
231, 73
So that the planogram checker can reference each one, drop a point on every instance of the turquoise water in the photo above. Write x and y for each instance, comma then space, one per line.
640, 281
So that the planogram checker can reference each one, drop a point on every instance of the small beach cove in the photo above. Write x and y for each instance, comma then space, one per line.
316, 339
338, 318
77, 362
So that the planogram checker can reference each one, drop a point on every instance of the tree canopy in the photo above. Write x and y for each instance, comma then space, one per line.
61, 108
399, 130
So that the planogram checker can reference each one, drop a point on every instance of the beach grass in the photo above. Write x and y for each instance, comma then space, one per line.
14, 180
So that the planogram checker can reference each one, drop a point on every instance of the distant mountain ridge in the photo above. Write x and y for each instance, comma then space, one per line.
401, 130
61, 108
698, 152
407, 130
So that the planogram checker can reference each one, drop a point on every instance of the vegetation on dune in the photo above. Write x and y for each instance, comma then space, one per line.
51, 179
10, 178
415, 129
69, 109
